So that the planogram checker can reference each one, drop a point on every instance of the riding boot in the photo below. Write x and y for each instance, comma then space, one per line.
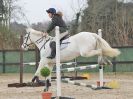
53, 50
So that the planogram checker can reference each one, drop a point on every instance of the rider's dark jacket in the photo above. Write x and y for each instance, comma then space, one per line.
57, 21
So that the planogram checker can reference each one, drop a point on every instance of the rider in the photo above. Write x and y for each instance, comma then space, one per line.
57, 20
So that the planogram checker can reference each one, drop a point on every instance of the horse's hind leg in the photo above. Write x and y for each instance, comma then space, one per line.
101, 59
91, 53
107, 61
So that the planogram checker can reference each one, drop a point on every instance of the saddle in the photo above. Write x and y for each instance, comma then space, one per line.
65, 37
64, 41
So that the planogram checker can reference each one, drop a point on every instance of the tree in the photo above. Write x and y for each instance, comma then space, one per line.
77, 8
8, 39
4, 13
113, 17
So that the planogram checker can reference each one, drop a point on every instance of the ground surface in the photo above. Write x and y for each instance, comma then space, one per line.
125, 91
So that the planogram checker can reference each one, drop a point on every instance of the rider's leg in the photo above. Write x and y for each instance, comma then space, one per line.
53, 46
63, 34
53, 49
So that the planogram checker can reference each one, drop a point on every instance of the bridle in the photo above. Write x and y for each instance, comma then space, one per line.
26, 38
37, 41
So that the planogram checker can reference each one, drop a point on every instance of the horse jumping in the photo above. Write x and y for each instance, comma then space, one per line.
84, 44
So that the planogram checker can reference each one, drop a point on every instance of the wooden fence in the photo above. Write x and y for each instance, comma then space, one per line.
4, 63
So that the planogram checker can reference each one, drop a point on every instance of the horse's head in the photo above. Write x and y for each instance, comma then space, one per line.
33, 36
27, 39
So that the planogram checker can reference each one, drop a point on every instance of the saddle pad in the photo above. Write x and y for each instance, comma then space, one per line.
64, 44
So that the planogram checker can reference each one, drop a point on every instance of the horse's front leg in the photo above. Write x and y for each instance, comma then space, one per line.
43, 62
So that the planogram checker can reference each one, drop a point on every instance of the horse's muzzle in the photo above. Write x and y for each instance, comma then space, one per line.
24, 48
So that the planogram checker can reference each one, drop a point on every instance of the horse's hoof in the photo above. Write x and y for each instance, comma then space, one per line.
34, 78
109, 63
102, 63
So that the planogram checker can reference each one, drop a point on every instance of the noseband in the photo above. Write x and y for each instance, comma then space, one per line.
26, 38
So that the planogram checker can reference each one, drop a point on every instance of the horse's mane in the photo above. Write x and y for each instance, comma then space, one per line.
33, 31
39, 33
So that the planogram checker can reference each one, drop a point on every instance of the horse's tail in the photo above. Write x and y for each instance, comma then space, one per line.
106, 48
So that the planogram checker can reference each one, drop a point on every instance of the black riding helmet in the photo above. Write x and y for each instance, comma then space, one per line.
51, 10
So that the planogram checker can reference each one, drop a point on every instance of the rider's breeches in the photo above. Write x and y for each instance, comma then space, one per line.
63, 34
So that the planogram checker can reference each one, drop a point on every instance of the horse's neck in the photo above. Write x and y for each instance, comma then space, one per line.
37, 40
40, 41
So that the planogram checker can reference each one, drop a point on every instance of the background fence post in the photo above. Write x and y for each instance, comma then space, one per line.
37, 57
114, 64
75, 65
21, 60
